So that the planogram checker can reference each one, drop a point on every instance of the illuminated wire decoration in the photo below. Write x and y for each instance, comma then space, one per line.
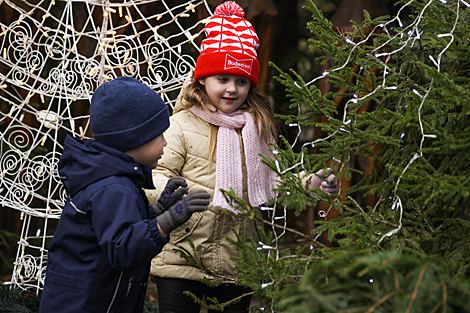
53, 55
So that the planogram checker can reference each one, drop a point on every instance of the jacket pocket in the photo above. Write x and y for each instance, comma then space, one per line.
67, 293
186, 229
69, 281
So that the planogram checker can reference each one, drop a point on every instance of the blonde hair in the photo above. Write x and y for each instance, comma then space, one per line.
258, 105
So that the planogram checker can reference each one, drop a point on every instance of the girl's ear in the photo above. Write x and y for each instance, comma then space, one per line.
202, 81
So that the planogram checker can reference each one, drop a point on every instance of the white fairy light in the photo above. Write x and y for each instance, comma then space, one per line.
266, 285
417, 93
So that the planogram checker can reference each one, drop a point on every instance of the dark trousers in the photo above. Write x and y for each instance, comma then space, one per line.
172, 300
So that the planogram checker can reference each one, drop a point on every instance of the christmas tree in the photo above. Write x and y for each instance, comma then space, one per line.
399, 96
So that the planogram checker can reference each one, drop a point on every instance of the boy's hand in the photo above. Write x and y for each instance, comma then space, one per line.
180, 212
324, 181
171, 194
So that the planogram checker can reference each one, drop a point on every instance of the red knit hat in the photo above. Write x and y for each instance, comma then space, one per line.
230, 45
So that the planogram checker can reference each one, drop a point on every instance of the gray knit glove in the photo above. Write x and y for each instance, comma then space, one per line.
180, 212
325, 181
171, 194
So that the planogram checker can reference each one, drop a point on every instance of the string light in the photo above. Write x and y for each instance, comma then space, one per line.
191, 7
58, 90
43, 142
465, 3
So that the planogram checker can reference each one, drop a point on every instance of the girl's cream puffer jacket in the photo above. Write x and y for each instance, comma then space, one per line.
186, 156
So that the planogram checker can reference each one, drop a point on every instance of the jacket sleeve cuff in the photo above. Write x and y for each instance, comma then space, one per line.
152, 214
159, 239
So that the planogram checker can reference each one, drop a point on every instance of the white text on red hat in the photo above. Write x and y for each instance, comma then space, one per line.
245, 65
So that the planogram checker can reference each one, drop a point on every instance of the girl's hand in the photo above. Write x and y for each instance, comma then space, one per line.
324, 180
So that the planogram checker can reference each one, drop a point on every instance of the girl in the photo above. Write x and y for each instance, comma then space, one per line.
219, 127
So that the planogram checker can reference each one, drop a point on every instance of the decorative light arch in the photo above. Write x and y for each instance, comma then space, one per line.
53, 55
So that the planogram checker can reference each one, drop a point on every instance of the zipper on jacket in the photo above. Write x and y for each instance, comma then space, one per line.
115, 293
129, 286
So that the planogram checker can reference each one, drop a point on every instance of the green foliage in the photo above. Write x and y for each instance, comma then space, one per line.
399, 95
150, 308
17, 301
377, 282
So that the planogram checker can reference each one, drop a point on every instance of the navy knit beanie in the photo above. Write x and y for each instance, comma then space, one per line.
125, 114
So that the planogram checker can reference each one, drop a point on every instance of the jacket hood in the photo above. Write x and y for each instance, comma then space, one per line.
85, 162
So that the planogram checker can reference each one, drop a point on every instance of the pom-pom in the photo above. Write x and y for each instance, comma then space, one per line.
229, 8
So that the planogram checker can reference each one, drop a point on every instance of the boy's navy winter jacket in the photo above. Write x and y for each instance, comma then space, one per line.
99, 258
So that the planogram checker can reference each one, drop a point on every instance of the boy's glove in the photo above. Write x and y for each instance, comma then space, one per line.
171, 194
180, 212
318, 181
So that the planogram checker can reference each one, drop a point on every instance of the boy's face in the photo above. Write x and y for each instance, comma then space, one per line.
227, 92
149, 153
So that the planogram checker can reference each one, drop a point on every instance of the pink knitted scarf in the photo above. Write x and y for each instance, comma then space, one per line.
229, 162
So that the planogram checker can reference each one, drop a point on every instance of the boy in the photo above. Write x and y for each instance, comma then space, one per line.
99, 258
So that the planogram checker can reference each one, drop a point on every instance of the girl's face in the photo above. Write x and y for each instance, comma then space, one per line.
227, 92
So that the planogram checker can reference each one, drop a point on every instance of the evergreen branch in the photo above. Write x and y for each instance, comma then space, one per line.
415, 291
436, 308
352, 310
305, 237
236, 299
383, 221
385, 298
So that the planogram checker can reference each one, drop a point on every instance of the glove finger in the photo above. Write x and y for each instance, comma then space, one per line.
198, 201
329, 188
330, 178
200, 194
315, 182
181, 191
324, 173
330, 184
319, 173
176, 182
198, 208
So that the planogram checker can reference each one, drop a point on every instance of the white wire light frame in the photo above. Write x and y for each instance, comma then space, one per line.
52, 57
